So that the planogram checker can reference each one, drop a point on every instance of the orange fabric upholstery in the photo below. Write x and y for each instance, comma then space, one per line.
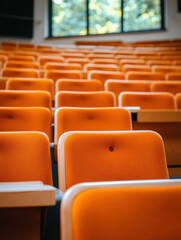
91, 119
131, 212
173, 76
118, 86
103, 67
26, 46
81, 61
27, 53
62, 66
84, 99
25, 119
21, 58
17, 72
166, 69
25, 156
10, 98
171, 87
22, 64
139, 68
105, 75
56, 74
110, 156
145, 76
147, 100
31, 84
159, 62
178, 100
78, 85
46, 59
104, 61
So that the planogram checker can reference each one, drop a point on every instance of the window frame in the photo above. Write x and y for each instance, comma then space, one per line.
163, 28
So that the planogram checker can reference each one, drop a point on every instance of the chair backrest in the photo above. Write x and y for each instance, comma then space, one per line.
10, 98
26, 119
91, 119
178, 100
21, 58
138, 68
147, 100
31, 84
78, 85
122, 210
84, 99
22, 64
118, 86
25, 156
46, 59
103, 67
171, 87
145, 76
105, 75
62, 66
166, 69
174, 76
56, 74
17, 72
110, 156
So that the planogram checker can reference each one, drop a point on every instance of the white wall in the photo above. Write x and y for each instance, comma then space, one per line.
172, 22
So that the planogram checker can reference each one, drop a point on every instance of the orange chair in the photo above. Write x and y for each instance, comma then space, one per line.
26, 46
25, 119
21, 73
118, 86
166, 69
133, 68
172, 57
110, 156
122, 210
103, 67
62, 66
145, 76
46, 59
173, 76
25, 156
44, 47
5, 45
31, 84
123, 62
159, 62
105, 75
57, 74
81, 61
27, 53
22, 64
84, 99
178, 100
105, 61
120, 57
10, 98
93, 56
147, 100
153, 58
72, 55
21, 58
171, 87
78, 85
91, 119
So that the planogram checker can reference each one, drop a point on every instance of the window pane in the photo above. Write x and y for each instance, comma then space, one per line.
69, 18
104, 16
141, 15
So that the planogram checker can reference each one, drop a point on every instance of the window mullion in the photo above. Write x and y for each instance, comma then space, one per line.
87, 2
122, 15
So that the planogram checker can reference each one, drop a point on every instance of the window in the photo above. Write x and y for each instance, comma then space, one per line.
90, 17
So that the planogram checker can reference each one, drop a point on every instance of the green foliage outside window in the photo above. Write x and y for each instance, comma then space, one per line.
72, 18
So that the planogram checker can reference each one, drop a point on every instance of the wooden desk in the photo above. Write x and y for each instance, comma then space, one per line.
20, 209
168, 125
